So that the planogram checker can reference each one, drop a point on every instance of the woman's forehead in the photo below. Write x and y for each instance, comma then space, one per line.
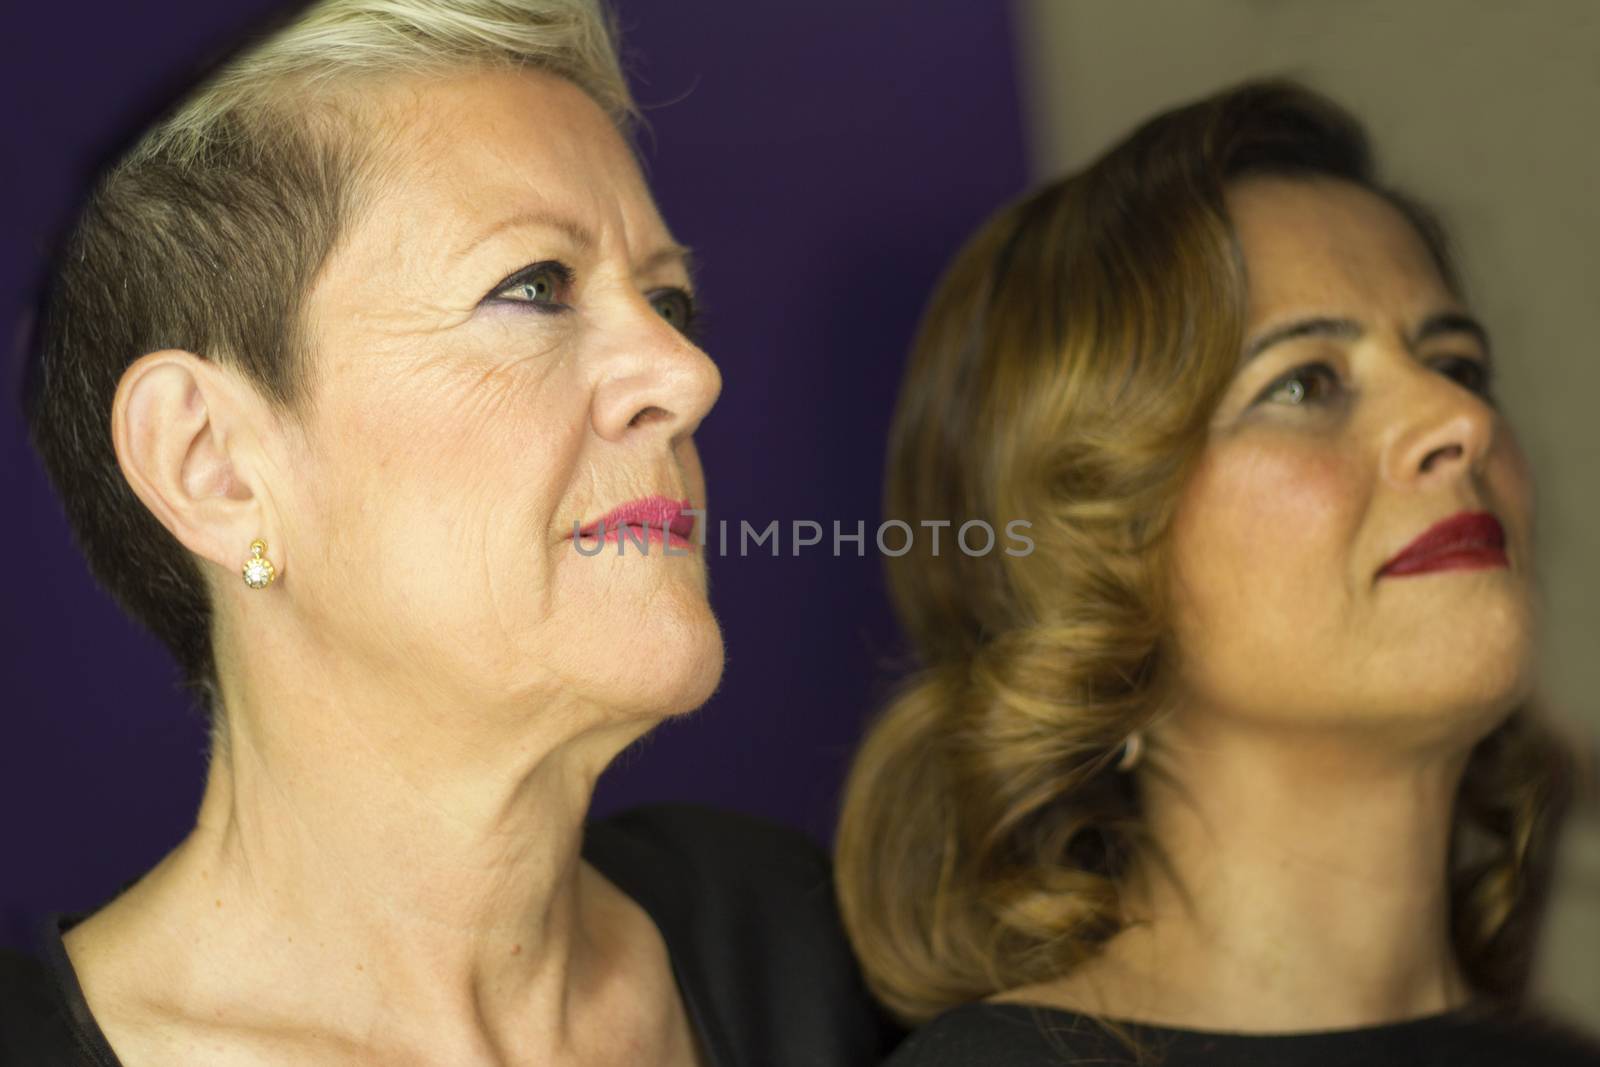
1321, 241
464, 155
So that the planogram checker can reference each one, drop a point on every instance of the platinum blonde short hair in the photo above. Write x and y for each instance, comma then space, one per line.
207, 235
339, 42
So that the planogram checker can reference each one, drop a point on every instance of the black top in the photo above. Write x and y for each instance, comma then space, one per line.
745, 908
1020, 1035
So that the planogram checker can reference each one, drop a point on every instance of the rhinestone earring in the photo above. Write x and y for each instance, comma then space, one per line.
258, 569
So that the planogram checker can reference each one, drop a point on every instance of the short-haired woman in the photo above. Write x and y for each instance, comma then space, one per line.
350, 370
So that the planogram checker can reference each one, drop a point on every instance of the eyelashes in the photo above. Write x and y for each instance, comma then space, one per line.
547, 288
1316, 384
545, 285
1308, 385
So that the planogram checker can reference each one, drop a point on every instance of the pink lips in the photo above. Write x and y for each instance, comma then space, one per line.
1471, 540
652, 516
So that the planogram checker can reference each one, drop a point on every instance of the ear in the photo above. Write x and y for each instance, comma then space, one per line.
185, 433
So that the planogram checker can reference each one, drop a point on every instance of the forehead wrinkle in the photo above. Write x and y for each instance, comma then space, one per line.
453, 150
449, 154
580, 236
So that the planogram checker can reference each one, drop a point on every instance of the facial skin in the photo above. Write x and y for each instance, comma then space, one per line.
458, 434
1282, 532
421, 522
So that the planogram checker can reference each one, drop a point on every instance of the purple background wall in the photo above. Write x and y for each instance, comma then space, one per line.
823, 159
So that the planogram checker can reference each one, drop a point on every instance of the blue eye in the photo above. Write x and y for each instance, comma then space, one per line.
678, 307
541, 284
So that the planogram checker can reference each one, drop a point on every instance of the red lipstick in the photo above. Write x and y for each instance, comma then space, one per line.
1471, 540
656, 517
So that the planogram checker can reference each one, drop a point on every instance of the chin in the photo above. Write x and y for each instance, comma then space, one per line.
1472, 665
675, 673
1495, 671
1455, 707
699, 680
643, 645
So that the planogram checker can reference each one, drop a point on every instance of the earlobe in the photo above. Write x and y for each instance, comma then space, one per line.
171, 427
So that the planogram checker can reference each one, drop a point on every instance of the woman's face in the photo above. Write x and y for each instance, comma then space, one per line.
498, 354
1367, 421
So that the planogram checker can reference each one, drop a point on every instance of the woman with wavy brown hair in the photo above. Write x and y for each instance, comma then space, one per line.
1241, 764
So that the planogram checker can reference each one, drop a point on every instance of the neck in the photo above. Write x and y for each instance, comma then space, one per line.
386, 868
1304, 887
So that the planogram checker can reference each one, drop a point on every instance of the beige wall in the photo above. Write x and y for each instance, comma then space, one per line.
1488, 110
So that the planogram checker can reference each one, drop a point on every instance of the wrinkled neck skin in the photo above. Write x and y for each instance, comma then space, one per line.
389, 877
1305, 887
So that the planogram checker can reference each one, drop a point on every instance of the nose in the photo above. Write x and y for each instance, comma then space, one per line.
652, 379
1443, 430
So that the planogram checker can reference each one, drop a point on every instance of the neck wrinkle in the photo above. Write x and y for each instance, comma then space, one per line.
431, 870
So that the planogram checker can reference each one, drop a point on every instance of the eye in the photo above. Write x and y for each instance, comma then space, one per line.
678, 307
1310, 384
1473, 374
541, 284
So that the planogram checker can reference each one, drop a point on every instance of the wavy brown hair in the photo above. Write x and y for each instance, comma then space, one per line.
1066, 371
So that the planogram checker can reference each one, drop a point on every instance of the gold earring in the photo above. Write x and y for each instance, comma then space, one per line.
258, 569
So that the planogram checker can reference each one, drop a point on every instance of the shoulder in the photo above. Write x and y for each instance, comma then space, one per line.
747, 910
707, 875
718, 850
719, 871
1019, 1035
33, 1023
1007, 1035
1529, 1038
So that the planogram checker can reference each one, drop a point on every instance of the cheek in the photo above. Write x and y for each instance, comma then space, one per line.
459, 480
471, 439
1511, 481
694, 476
1264, 534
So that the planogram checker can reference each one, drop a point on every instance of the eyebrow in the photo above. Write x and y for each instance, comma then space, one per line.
580, 236
1435, 325
575, 231
667, 254
1446, 322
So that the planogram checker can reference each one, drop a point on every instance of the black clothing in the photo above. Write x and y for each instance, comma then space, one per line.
1020, 1035
745, 908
